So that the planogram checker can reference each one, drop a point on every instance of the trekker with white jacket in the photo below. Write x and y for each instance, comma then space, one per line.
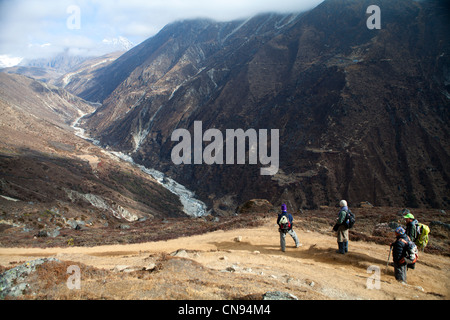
342, 229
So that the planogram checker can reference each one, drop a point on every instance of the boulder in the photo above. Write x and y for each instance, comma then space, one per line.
256, 206
181, 253
13, 281
42, 234
278, 295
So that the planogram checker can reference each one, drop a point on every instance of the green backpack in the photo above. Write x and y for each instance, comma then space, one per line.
422, 239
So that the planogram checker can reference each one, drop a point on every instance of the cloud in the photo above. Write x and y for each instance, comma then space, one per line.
39, 22
7, 61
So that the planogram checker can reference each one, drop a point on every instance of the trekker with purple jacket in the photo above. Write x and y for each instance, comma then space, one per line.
285, 224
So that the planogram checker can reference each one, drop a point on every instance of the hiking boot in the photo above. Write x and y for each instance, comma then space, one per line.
341, 248
345, 245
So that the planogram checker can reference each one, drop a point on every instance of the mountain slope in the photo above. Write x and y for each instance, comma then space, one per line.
362, 113
51, 180
42, 100
78, 77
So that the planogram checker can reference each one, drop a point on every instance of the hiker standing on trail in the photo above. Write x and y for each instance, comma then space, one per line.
285, 223
412, 231
342, 229
398, 254
411, 226
416, 231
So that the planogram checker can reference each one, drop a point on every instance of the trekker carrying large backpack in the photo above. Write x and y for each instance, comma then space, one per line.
404, 253
285, 224
417, 232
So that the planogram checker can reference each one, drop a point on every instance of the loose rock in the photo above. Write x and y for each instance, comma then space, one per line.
13, 281
278, 295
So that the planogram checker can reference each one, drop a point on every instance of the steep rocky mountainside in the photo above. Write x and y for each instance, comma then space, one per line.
79, 76
52, 181
363, 114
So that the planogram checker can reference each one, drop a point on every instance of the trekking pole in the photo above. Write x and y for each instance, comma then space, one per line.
387, 263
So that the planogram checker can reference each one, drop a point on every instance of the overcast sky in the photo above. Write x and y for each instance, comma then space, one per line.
43, 27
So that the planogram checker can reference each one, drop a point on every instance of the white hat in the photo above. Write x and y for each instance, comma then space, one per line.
343, 203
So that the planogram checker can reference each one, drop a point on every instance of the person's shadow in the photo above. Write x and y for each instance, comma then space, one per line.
323, 255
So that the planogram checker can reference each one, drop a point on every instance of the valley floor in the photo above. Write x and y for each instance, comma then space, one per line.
233, 264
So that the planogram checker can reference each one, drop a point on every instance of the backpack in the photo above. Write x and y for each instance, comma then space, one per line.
411, 253
350, 219
284, 223
422, 239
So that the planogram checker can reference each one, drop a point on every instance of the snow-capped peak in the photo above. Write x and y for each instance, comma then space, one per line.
120, 43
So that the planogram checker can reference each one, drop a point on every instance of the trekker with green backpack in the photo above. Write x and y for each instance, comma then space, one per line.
417, 232
285, 224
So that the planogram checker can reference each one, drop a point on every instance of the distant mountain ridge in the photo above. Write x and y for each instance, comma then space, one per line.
62, 62
51, 68
362, 113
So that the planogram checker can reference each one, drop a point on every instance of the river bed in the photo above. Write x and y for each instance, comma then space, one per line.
191, 206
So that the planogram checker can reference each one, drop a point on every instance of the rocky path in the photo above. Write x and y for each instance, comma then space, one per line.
242, 263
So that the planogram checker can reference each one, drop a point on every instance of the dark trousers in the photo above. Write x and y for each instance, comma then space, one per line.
343, 247
400, 271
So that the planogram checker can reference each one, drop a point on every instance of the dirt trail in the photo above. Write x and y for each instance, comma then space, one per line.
312, 271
